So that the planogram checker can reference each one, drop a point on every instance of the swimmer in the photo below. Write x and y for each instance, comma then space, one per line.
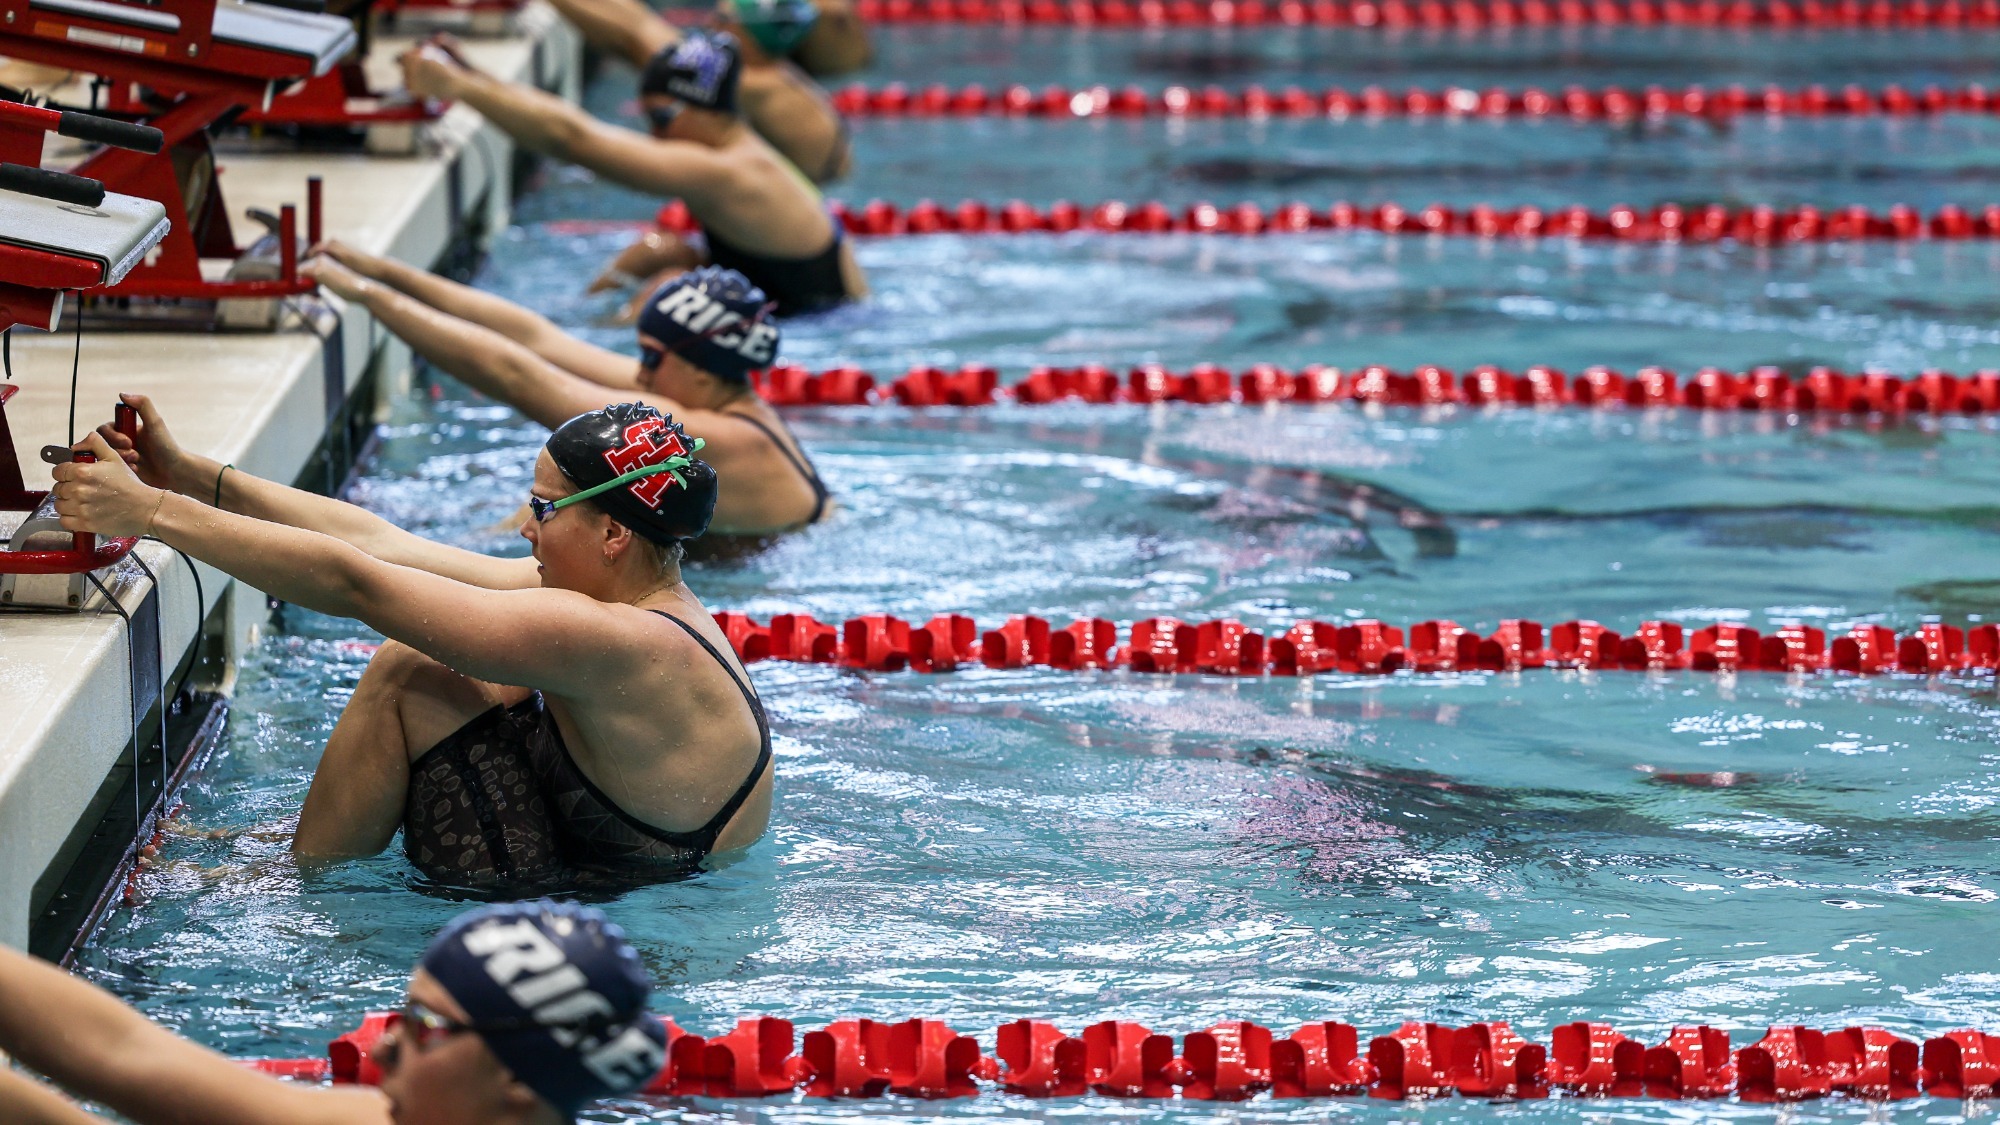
530, 722
833, 47
758, 214
786, 108
700, 336
465, 1050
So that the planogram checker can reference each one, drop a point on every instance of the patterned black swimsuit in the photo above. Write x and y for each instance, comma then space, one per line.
500, 802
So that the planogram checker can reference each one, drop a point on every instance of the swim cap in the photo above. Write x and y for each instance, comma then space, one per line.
701, 70
715, 319
564, 967
776, 25
665, 507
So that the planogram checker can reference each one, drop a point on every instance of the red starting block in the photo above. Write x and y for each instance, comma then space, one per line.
474, 17
60, 231
25, 573
341, 99
209, 59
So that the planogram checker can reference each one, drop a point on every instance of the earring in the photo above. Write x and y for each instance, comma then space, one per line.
609, 561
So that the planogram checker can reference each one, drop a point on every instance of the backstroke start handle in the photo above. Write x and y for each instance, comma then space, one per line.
59, 186
110, 131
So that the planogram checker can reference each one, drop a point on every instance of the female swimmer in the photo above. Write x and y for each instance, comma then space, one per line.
532, 721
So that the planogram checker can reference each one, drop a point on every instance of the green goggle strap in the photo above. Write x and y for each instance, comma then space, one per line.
672, 465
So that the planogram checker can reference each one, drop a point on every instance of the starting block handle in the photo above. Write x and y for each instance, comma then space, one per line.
111, 131
59, 186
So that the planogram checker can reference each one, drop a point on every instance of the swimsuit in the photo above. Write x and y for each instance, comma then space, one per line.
796, 285
501, 801
805, 467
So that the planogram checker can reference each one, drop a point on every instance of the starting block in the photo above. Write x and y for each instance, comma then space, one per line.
34, 572
486, 18
63, 232
185, 66
341, 101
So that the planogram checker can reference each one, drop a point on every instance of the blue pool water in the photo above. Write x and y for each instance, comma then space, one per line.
993, 845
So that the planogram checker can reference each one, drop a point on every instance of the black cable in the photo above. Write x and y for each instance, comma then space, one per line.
7, 352
75, 364
200, 599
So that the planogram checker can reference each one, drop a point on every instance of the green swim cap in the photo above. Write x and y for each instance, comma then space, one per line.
776, 25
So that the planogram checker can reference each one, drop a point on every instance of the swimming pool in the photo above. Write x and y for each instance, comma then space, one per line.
1537, 847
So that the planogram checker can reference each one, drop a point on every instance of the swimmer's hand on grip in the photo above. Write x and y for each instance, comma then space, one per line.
335, 277
433, 69
153, 454
103, 496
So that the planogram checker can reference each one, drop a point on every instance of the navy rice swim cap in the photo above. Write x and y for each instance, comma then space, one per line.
776, 25
666, 507
568, 968
715, 319
702, 70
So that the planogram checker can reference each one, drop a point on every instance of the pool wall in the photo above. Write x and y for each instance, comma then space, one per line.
290, 405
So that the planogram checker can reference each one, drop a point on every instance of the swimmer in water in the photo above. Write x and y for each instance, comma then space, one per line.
700, 336
786, 108
530, 722
759, 215
516, 1015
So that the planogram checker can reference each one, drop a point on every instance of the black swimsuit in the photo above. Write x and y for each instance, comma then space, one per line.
501, 801
804, 466
796, 285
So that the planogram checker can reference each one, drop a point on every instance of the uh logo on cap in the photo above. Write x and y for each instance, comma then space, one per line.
706, 318
647, 442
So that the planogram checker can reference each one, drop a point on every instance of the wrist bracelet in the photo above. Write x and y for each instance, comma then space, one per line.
218, 485
157, 505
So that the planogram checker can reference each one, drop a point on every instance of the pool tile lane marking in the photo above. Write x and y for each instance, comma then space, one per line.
1238, 1059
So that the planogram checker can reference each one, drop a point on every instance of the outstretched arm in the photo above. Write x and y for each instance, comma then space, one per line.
524, 326
88, 1042
625, 28
161, 462
551, 126
25, 1101
543, 638
477, 355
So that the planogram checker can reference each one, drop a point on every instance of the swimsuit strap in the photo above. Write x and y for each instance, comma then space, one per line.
706, 835
805, 467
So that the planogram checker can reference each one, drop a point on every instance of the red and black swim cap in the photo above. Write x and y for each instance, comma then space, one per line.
666, 507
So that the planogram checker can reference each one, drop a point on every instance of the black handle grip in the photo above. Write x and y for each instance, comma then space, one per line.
316, 7
110, 131
59, 186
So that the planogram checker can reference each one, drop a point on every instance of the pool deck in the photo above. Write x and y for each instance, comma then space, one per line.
264, 401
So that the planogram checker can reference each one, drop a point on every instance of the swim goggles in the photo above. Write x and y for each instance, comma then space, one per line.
423, 1026
650, 356
543, 509
662, 117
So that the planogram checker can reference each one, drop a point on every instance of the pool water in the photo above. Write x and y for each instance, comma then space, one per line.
1539, 847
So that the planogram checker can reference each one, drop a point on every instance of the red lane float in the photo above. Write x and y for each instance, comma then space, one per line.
1610, 103
1238, 1059
1668, 222
1396, 15
1821, 390
1165, 645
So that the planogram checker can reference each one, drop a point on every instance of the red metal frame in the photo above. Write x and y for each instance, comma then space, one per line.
212, 78
327, 100
85, 553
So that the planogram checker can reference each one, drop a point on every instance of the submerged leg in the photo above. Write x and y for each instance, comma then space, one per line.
405, 704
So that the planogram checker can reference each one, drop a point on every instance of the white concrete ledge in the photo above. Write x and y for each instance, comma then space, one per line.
257, 400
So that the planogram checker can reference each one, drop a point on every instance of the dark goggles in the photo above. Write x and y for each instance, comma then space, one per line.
661, 118
423, 1026
543, 509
